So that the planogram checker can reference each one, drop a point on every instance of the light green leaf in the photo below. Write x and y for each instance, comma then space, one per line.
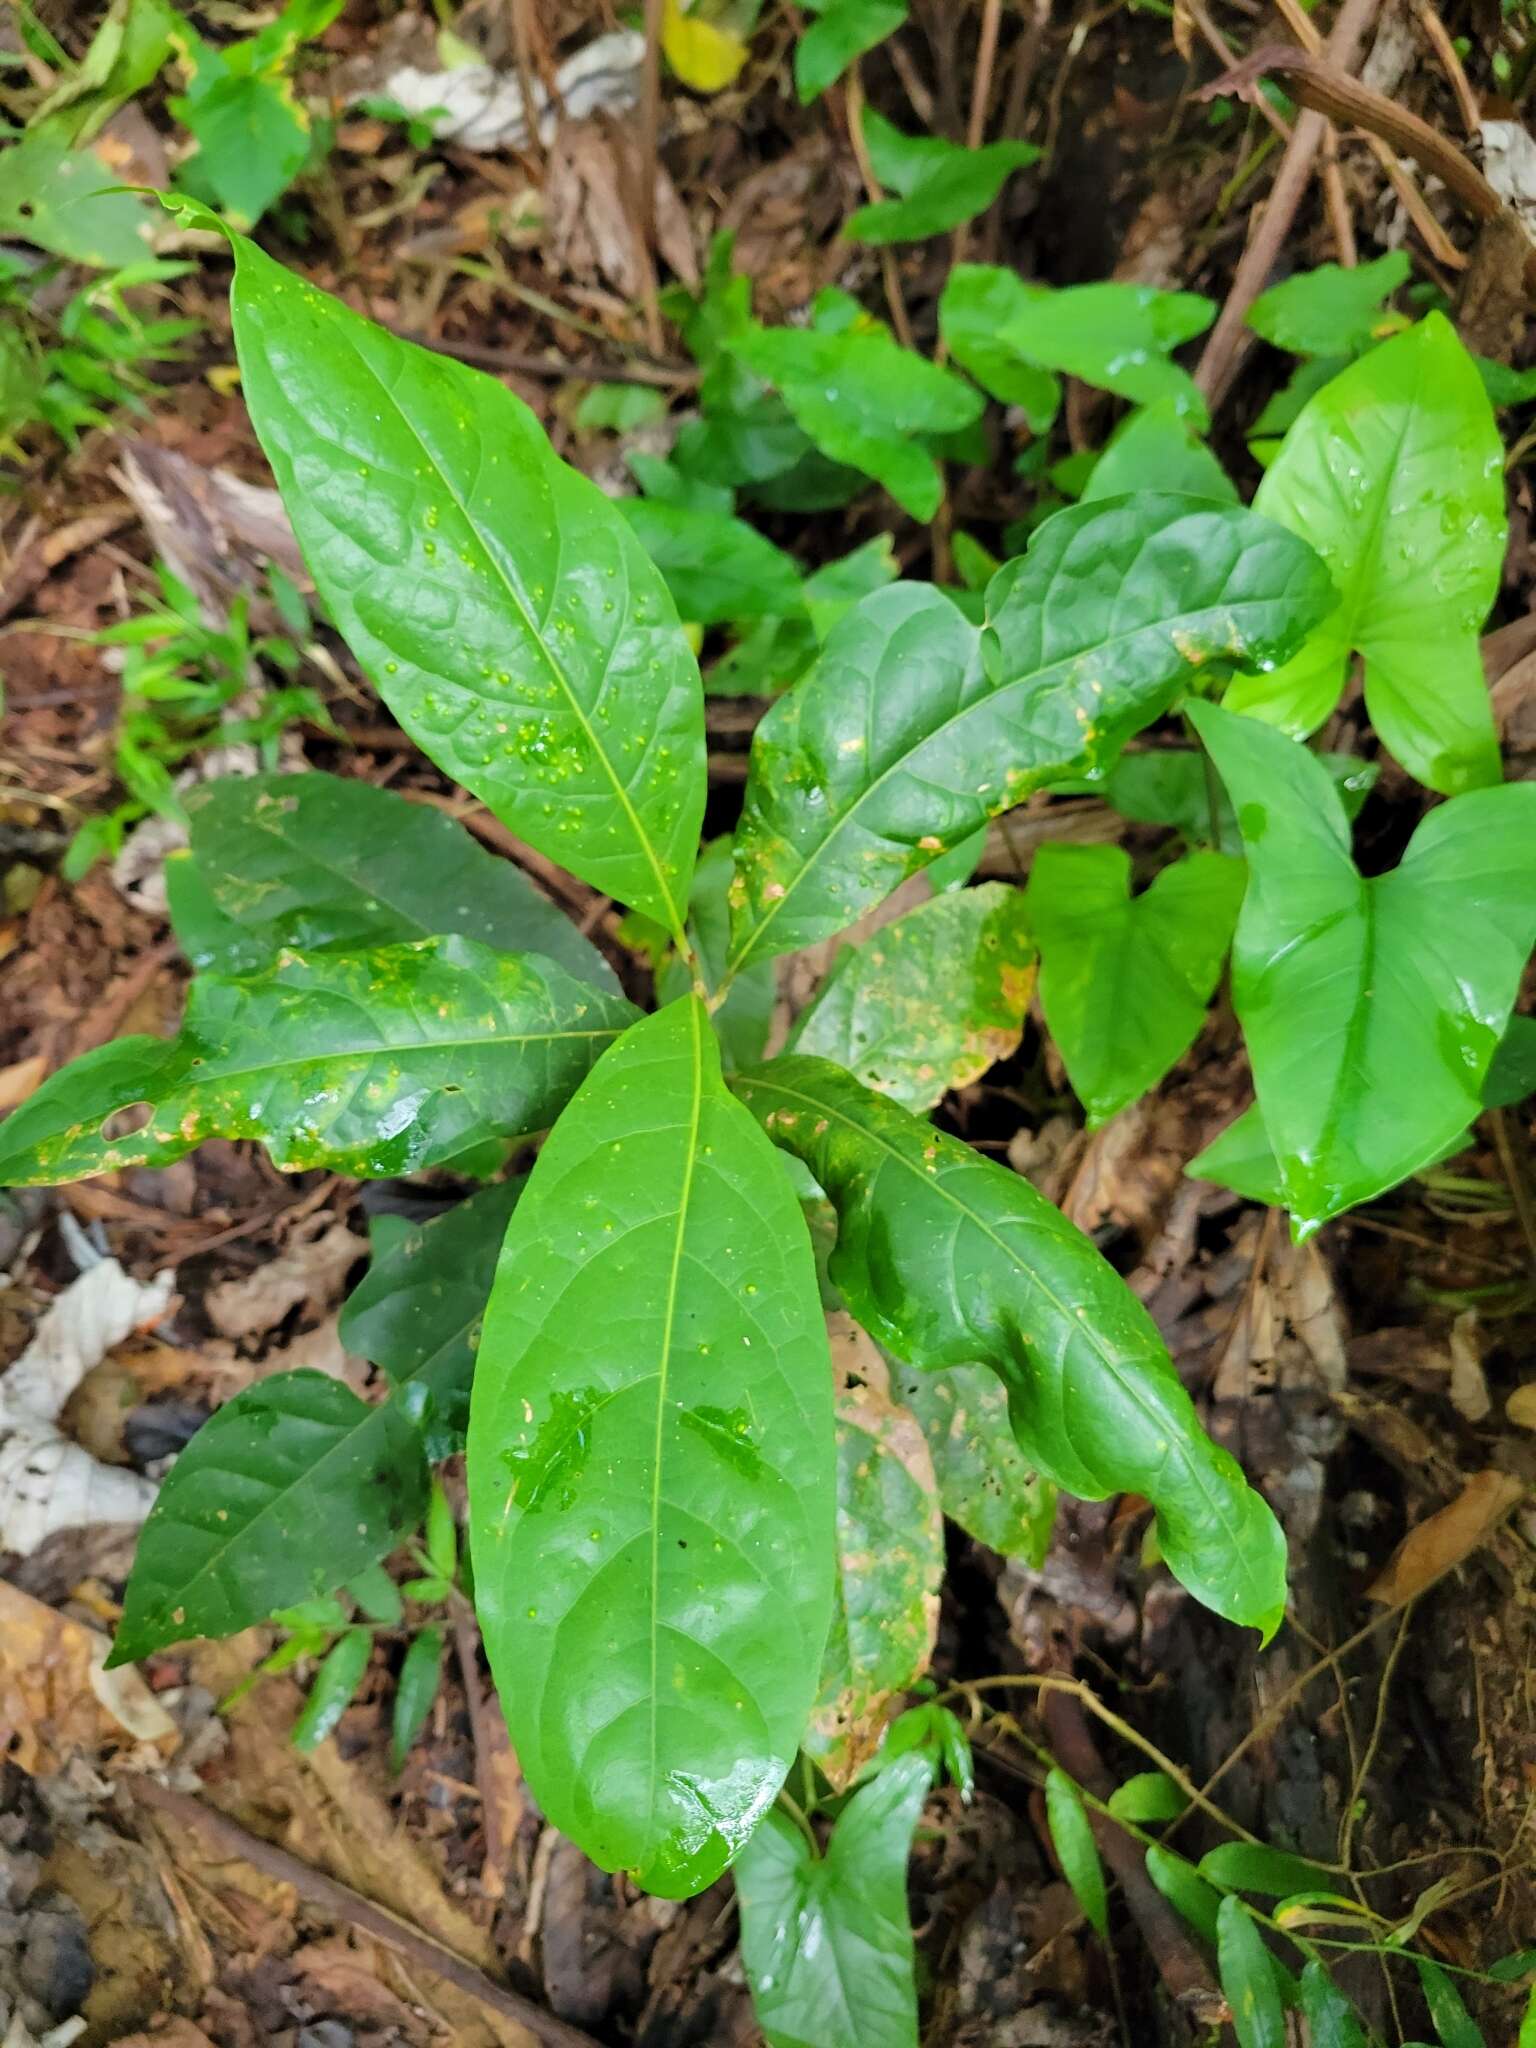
366, 1063
914, 728
1255, 1867
126, 52
319, 862
719, 570
978, 302
986, 1483
845, 29
511, 620
1248, 1978
1185, 1890
1394, 472
1149, 1796
1527, 2025
285, 1493
209, 938
64, 200
931, 1001
1371, 1007
1125, 980
340, 1674
377, 1595
415, 1691
890, 1565
1454, 2025
1331, 311
1157, 449
1173, 786
827, 1940
417, 1311
865, 401
1331, 2020
618, 408
1119, 337
941, 183
651, 1466
743, 1019
948, 1259
1076, 1850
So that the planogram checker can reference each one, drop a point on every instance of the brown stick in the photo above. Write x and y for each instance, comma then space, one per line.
527, 363
487, 1738
353, 1910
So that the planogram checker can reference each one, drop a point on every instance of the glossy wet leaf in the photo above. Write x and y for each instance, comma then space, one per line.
948, 1259
941, 183
1157, 449
652, 1466
286, 1492
931, 1001
1331, 2020
986, 1483
841, 31
1125, 980
1371, 1007
977, 303
415, 1690
1394, 473
1171, 786
1149, 1796
914, 728
1248, 1979
1255, 1867
827, 1941
340, 1674
497, 600
866, 402
1119, 337
1076, 1850
890, 1565
209, 938
367, 1063
318, 862
1331, 311
1186, 1891
65, 200
743, 1019
719, 570
418, 1309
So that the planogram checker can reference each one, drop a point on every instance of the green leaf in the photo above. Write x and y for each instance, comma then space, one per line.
1125, 980
1185, 1890
1454, 2025
339, 1676
442, 1536
1332, 2021
65, 200
287, 1491
366, 1063
509, 617
844, 31
1171, 786
949, 1259
1118, 337
319, 862
417, 1310
1149, 1796
941, 183
777, 652
1371, 1007
865, 401
1527, 2025
377, 1595
210, 939
931, 1001
937, 1732
1394, 472
420, 1675
890, 1565
652, 1466
978, 301
1330, 311
743, 1019
1254, 1867
1156, 449
826, 1941
125, 54
618, 408
1076, 1850
913, 728
1511, 1073
986, 1483
719, 570
1248, 1978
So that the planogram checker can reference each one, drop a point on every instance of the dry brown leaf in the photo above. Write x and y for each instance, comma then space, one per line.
1447, 1538
17, 1082
1469, 1388
312, 1272
172, 2033
55, 1699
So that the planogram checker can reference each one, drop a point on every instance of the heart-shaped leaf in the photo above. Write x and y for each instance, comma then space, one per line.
651, 1466
941, 183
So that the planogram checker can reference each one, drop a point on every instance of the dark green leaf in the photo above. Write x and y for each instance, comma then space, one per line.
1254, 1867
415, 1691
1125, 980
978, 302
339, 1676
986, 1483
318, 862
1332, 2021
1371, 1008
941, 183
417, 1310
1394, 472
1185, 1890
948, 1259
913, 729
1171, 786
1248, 1978
1076, 1850
1116, 336
845, 29
777, 652
719, 570
1511, 1073
1510, 1969
1331, 311
286, 1492
444, 538
1156, 449
367, 1063
652, 1466
865, 401
1454, 2025
743, 1019
1149, 1796
210, 939
931, 1001
827, 1940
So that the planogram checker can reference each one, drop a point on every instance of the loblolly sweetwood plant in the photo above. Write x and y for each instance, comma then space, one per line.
646, 1398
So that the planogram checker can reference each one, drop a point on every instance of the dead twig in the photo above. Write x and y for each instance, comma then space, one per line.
853, 109
488, 1739
525, 363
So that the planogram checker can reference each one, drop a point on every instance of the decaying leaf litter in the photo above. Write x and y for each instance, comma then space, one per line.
1372, 1380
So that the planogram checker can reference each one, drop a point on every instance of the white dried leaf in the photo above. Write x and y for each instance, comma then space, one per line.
482, 108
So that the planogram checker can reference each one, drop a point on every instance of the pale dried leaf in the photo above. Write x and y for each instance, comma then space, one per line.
1447, 1538
1469, 1387
313, 1272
